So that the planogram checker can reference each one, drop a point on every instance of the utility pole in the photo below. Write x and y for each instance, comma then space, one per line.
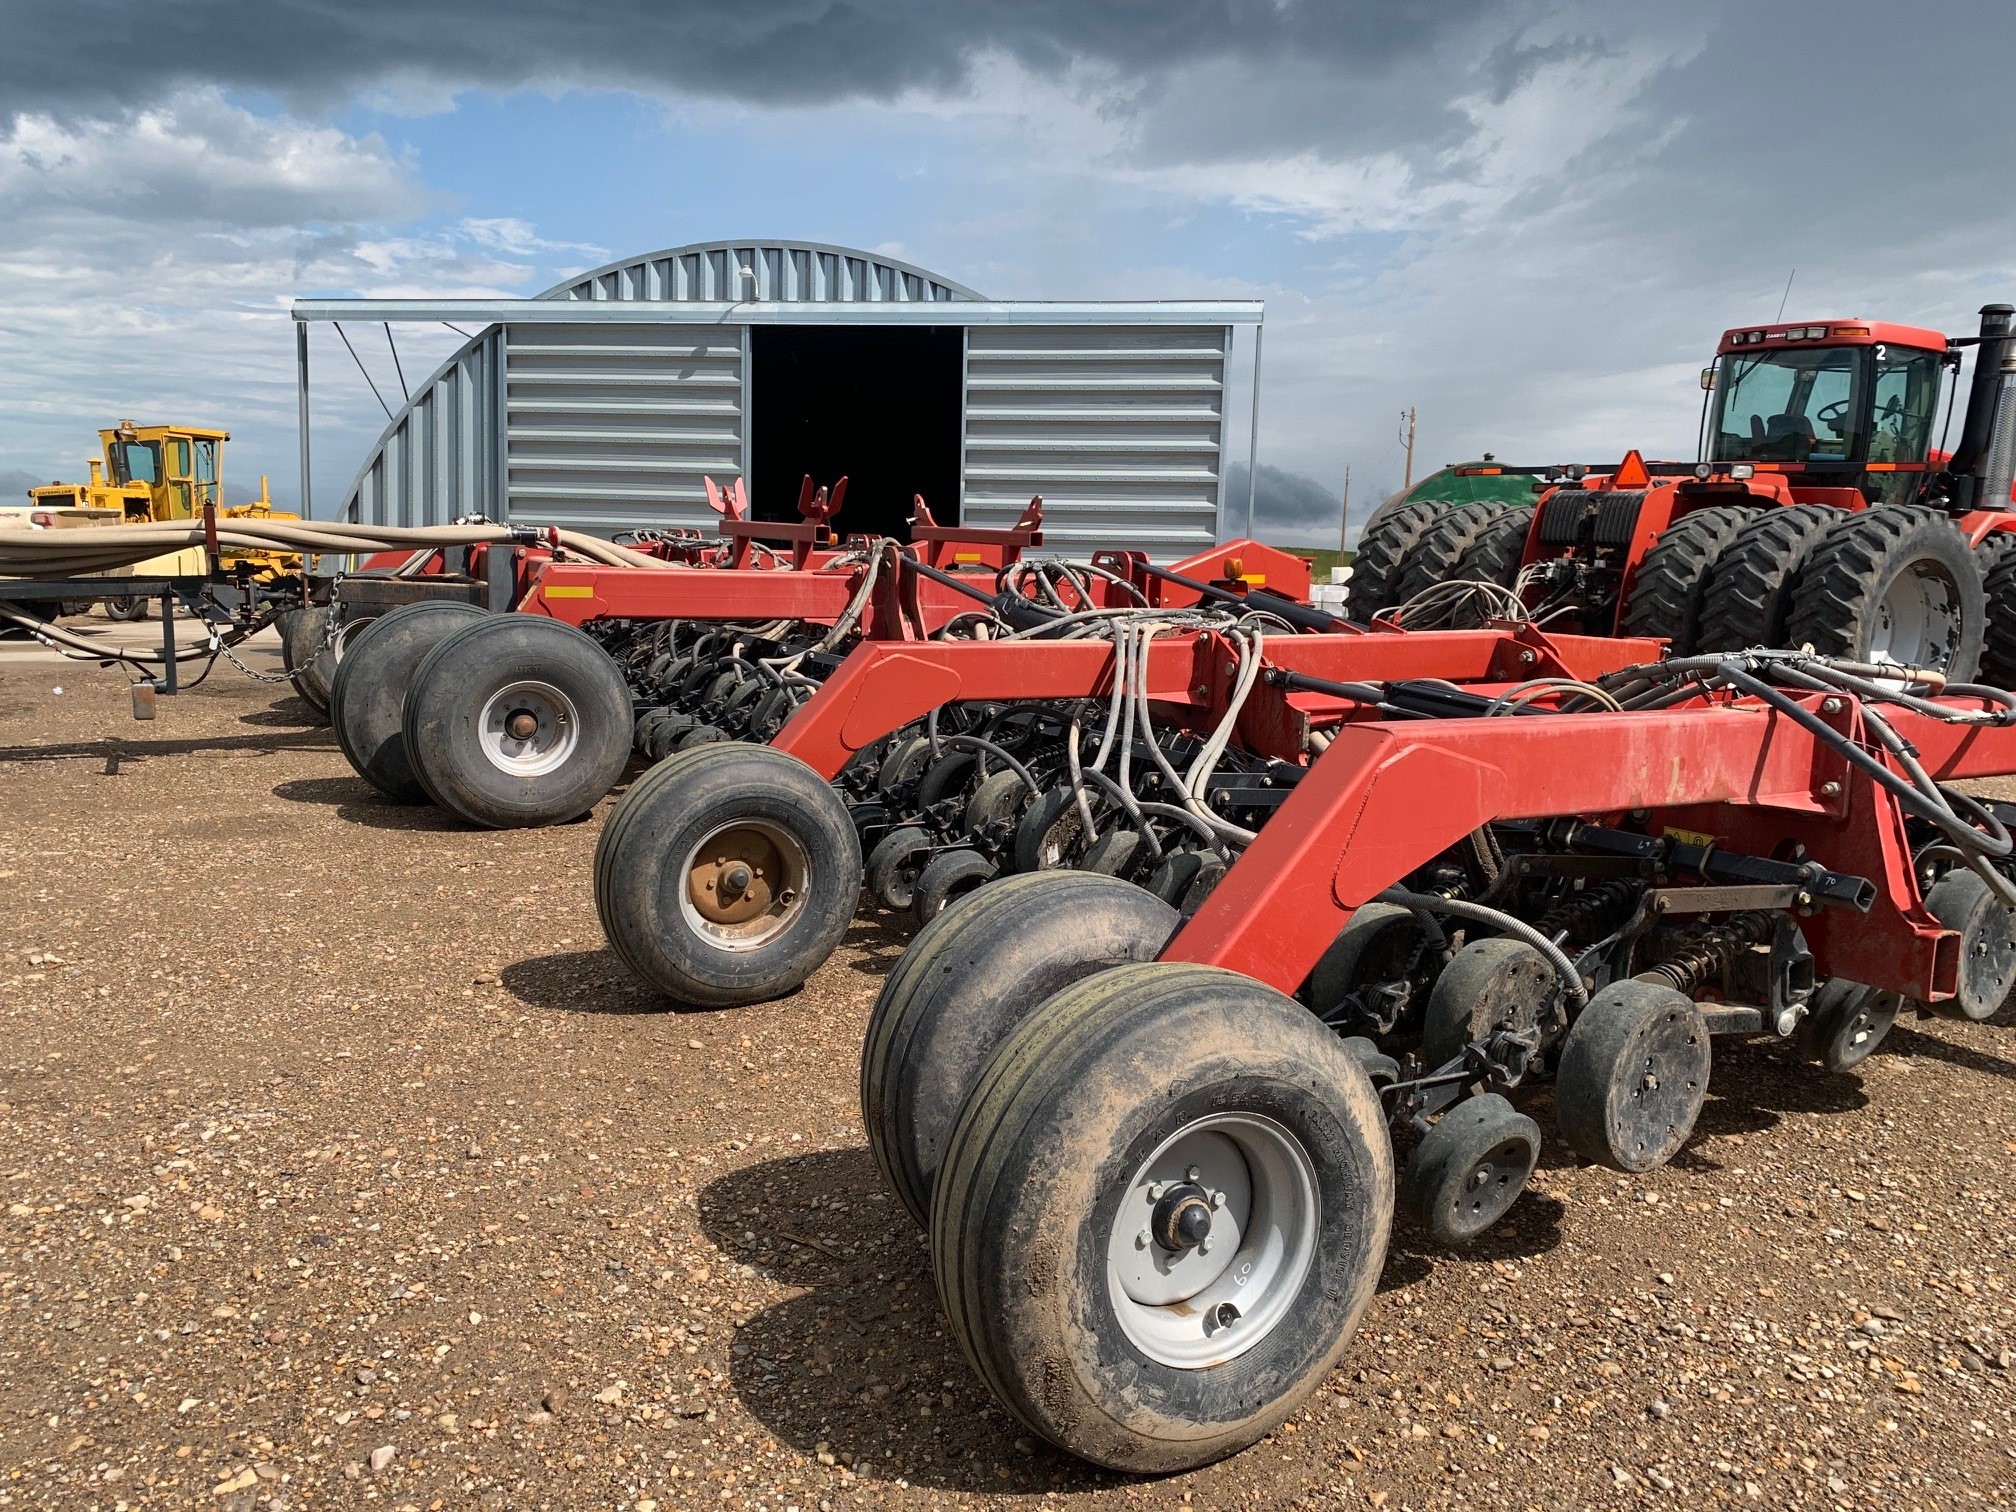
1407, 440
1344, 534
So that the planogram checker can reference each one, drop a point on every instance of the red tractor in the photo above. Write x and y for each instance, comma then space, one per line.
1821, 514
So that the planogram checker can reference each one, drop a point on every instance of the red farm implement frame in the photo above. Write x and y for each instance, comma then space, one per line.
531, 717
1426, 873
1193, 1124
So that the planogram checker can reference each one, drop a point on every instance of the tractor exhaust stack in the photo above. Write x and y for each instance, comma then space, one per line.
1968, 467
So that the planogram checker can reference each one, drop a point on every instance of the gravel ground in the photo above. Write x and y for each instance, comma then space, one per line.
342, 1165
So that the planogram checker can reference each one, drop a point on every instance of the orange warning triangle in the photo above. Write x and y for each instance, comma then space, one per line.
1631, 472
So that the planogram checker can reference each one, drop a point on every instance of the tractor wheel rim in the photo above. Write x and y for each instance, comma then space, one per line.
528, 729
744, 884
1918, 619
1198, 1306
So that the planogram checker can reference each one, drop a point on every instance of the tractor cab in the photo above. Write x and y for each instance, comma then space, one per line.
1847, 405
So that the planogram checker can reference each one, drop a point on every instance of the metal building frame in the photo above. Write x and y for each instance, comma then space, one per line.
906, 297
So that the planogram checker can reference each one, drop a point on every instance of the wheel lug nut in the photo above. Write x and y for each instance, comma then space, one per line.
1193, 1173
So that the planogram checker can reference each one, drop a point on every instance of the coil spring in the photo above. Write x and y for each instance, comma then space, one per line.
1584, 914
1703, 957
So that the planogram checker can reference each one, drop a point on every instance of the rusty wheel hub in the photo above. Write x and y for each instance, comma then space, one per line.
744, 883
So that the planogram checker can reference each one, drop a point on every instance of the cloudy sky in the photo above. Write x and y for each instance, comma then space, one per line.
1528, 219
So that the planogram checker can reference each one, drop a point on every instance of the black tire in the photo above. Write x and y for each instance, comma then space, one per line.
970, 976
1488, 984
1383, 545
944, 777
1961, 900
1997, 555
997, 797
1470, 1168
125, 610
367, 699
898, 859
1845, 1023
1434, 558
1666, 596
666, 734
1375, 945
1633, 1076
948, 877
1839, 606
1051, 832
697, 735
1117, 853
903, 761
1050, 1160
1750, 589
738, 793
1173, 875
1500, 548
305, 655
512, 667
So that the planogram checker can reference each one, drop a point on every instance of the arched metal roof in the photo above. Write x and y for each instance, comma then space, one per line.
783, 271
437, 458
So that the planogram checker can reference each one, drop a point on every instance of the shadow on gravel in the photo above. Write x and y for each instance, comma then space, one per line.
288, 714
585, 981
881, 938
357, 802
138, 750
1902, 1041
860, 1361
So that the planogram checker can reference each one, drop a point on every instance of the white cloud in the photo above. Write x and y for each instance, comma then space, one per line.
147, 262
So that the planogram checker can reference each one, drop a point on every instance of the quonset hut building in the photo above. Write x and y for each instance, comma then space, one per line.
601, 404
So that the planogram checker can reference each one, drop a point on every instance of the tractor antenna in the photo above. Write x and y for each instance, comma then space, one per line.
1786, 295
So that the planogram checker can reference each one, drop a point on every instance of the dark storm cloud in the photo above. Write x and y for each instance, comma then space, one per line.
1287, 506
91, 56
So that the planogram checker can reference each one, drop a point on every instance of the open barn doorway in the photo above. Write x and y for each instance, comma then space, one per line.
878, 405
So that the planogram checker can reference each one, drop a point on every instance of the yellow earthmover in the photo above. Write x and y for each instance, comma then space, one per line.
158, 473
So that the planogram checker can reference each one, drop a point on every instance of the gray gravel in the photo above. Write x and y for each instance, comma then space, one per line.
341, 1164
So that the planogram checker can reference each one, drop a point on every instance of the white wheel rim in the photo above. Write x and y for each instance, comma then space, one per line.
529, 729
1918, 620
1198, 1307
744, 884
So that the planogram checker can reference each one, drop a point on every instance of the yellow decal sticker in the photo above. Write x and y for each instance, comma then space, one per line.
566, 592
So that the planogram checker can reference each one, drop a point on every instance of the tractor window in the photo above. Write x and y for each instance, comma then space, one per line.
178, 459
1787, 406
137, 462
206, 461
1905, 404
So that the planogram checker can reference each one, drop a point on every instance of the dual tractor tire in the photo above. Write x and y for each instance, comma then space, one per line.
1893, 584
1383, 548
367, 697
968, 978
1667, 595
1161, 1214
516, 721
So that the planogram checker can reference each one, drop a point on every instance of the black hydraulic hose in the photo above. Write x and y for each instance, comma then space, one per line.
1302, 616
1416, 699
1571, 979
951, 580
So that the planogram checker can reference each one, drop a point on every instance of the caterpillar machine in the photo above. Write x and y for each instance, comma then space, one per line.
157, 474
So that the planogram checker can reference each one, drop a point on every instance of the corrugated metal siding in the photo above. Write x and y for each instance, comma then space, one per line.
612, 428
436, 461
792, 272
1119, 428
438, 457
